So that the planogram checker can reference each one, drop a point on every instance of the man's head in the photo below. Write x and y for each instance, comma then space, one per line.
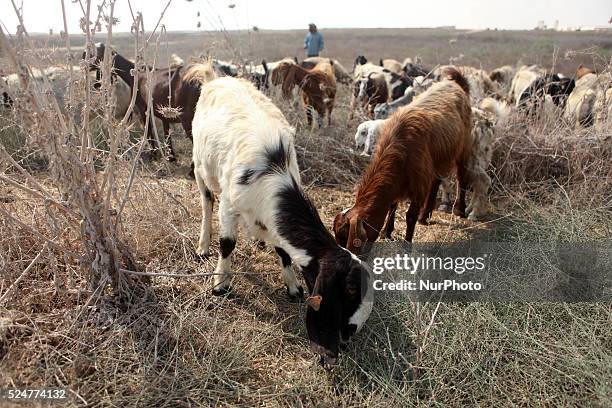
312, 28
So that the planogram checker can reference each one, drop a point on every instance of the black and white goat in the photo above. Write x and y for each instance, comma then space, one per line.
244, 155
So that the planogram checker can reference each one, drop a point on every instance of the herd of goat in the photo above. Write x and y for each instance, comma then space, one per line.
425, 125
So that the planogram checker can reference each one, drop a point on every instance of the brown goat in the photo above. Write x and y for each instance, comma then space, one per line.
317, 86
419, 144
369, 91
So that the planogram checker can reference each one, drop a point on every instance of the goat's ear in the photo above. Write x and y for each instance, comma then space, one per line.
314, 302
357, 234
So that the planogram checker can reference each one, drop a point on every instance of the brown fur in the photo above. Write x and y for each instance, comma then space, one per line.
317, 86
419, 144
377, 91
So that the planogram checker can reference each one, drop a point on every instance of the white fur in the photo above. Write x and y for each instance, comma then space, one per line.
521, 81
233, 125
367, 302
367, 134
486, 121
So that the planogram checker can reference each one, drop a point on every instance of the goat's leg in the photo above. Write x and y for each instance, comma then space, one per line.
294, 290
462, 186
309, 113
187, 128
431, 202
155, 149
352, 107
330, 107
390, 223
208, 201
227, 243
168, 140
476, 209
411, 218
320, 115
446, 203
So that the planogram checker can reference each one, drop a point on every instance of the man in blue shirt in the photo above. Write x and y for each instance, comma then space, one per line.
313, 44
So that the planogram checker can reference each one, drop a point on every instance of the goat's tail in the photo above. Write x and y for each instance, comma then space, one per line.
455, 75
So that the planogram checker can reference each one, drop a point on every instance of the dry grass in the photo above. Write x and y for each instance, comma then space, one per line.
173, 344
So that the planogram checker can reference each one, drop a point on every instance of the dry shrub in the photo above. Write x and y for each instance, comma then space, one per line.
546, 155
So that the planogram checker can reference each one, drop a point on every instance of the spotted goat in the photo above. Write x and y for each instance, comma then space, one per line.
244, 156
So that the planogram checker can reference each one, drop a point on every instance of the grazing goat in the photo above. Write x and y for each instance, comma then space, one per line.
367, 135
317, 86
397, 84
602, 108
550, 84
502, 76
276, 69
362, 68
521, 81
259, 75
340, 72
485, 122
369, 91
481, 85
413, 70
183, 81
224, 68
244, 156
419, 144
383, 110
580, 103
392, 65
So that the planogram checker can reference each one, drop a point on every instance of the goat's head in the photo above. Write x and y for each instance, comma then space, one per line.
361, 135
381, 111
339, 304
363, 87
351, 232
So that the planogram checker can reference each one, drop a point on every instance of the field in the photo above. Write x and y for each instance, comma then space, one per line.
169, 342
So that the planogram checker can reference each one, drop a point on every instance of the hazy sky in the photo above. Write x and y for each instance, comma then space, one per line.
41, 15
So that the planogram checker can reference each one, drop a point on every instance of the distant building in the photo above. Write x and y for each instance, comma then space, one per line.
541, 25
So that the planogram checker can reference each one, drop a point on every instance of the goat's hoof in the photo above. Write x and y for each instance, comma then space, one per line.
296, 297
261, 244
423, 221
459, 213
389, 237
201, 254
171, 159
444, 208
222, 291
473, 217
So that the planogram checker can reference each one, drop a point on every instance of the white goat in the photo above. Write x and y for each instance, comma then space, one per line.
367, 134
486, 120
243, 152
